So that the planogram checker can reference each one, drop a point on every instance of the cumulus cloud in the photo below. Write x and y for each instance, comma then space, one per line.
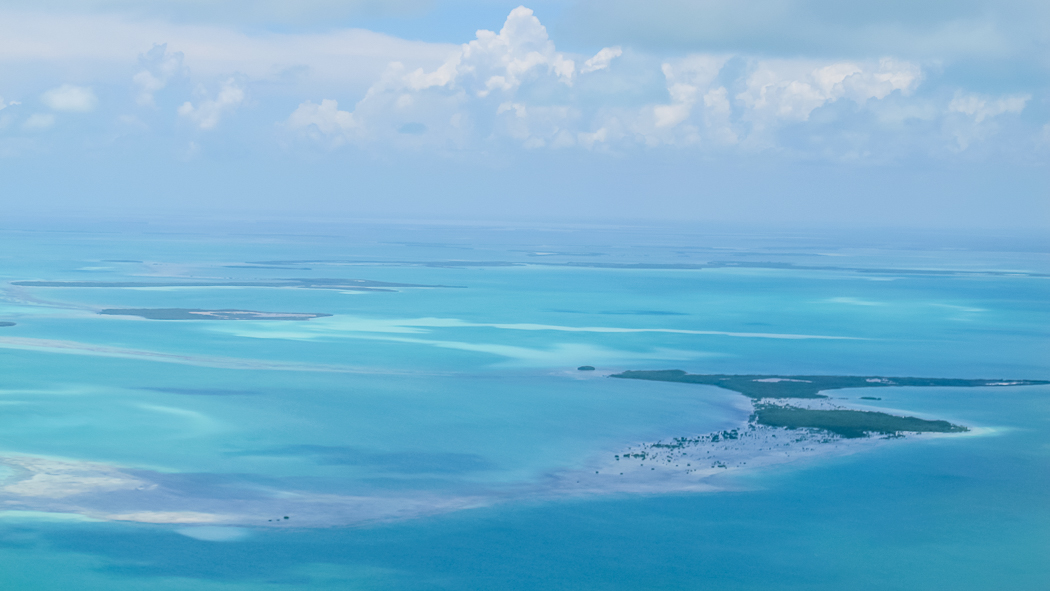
324, 119
4, 105
70, 98
516, 86
208, 112
473, 93
158, 67
982, 107
792, 89
601, 60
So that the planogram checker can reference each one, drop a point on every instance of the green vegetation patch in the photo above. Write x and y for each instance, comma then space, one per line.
773, 386
848, 423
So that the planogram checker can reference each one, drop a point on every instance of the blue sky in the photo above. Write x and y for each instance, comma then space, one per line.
778, 112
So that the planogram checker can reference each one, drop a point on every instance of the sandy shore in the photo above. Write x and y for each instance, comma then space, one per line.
697, 463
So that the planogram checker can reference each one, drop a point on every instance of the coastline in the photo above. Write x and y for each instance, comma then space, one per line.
676, 464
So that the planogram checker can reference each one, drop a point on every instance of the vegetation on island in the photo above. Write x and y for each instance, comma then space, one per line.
844, 422
773, 386
848, 423
193, 314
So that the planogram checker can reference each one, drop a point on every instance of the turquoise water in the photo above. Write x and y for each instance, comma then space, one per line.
414, 437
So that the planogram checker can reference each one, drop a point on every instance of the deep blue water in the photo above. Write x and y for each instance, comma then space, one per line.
472, 392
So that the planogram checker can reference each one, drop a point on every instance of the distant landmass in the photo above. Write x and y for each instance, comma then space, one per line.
7, 323
772, 386
848, 423
340, 284
193, 314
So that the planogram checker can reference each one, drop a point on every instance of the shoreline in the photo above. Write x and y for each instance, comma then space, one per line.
98, 491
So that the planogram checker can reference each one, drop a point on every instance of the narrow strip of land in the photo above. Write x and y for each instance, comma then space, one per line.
775, 386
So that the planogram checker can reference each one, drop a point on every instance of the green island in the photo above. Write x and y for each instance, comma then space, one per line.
844, 422
7, 323
848, 423
193, 314
771, 386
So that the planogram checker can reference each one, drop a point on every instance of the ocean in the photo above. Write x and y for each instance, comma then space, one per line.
436, 433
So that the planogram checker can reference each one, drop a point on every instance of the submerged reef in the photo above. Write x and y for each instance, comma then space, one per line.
194, 314
773, 386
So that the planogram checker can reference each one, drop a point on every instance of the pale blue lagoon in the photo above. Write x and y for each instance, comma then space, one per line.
440, 436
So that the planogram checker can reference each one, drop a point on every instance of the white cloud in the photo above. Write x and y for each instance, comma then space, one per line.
70, 98
4, 105
975, 115
601, 60
687, 81
475, 83
792, 89
76, 42
159, 66
515, 86
981, 107
208, 112
499, 61
324, 119
39, 121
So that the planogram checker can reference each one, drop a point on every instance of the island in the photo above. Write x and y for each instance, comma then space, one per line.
773, 386
847, 423
7, 324
194, 314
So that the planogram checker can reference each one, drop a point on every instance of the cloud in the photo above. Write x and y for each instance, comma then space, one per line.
473, 90
929, 30
159, 66
71, 98
324, 119
39, 121
982, 107
515, 86
208, 112
974, 116
792, 89
75, 41
4, 105
601, 60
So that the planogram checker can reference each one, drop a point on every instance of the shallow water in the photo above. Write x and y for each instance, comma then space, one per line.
448, 414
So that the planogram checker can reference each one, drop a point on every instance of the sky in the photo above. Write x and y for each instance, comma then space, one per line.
774, 112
